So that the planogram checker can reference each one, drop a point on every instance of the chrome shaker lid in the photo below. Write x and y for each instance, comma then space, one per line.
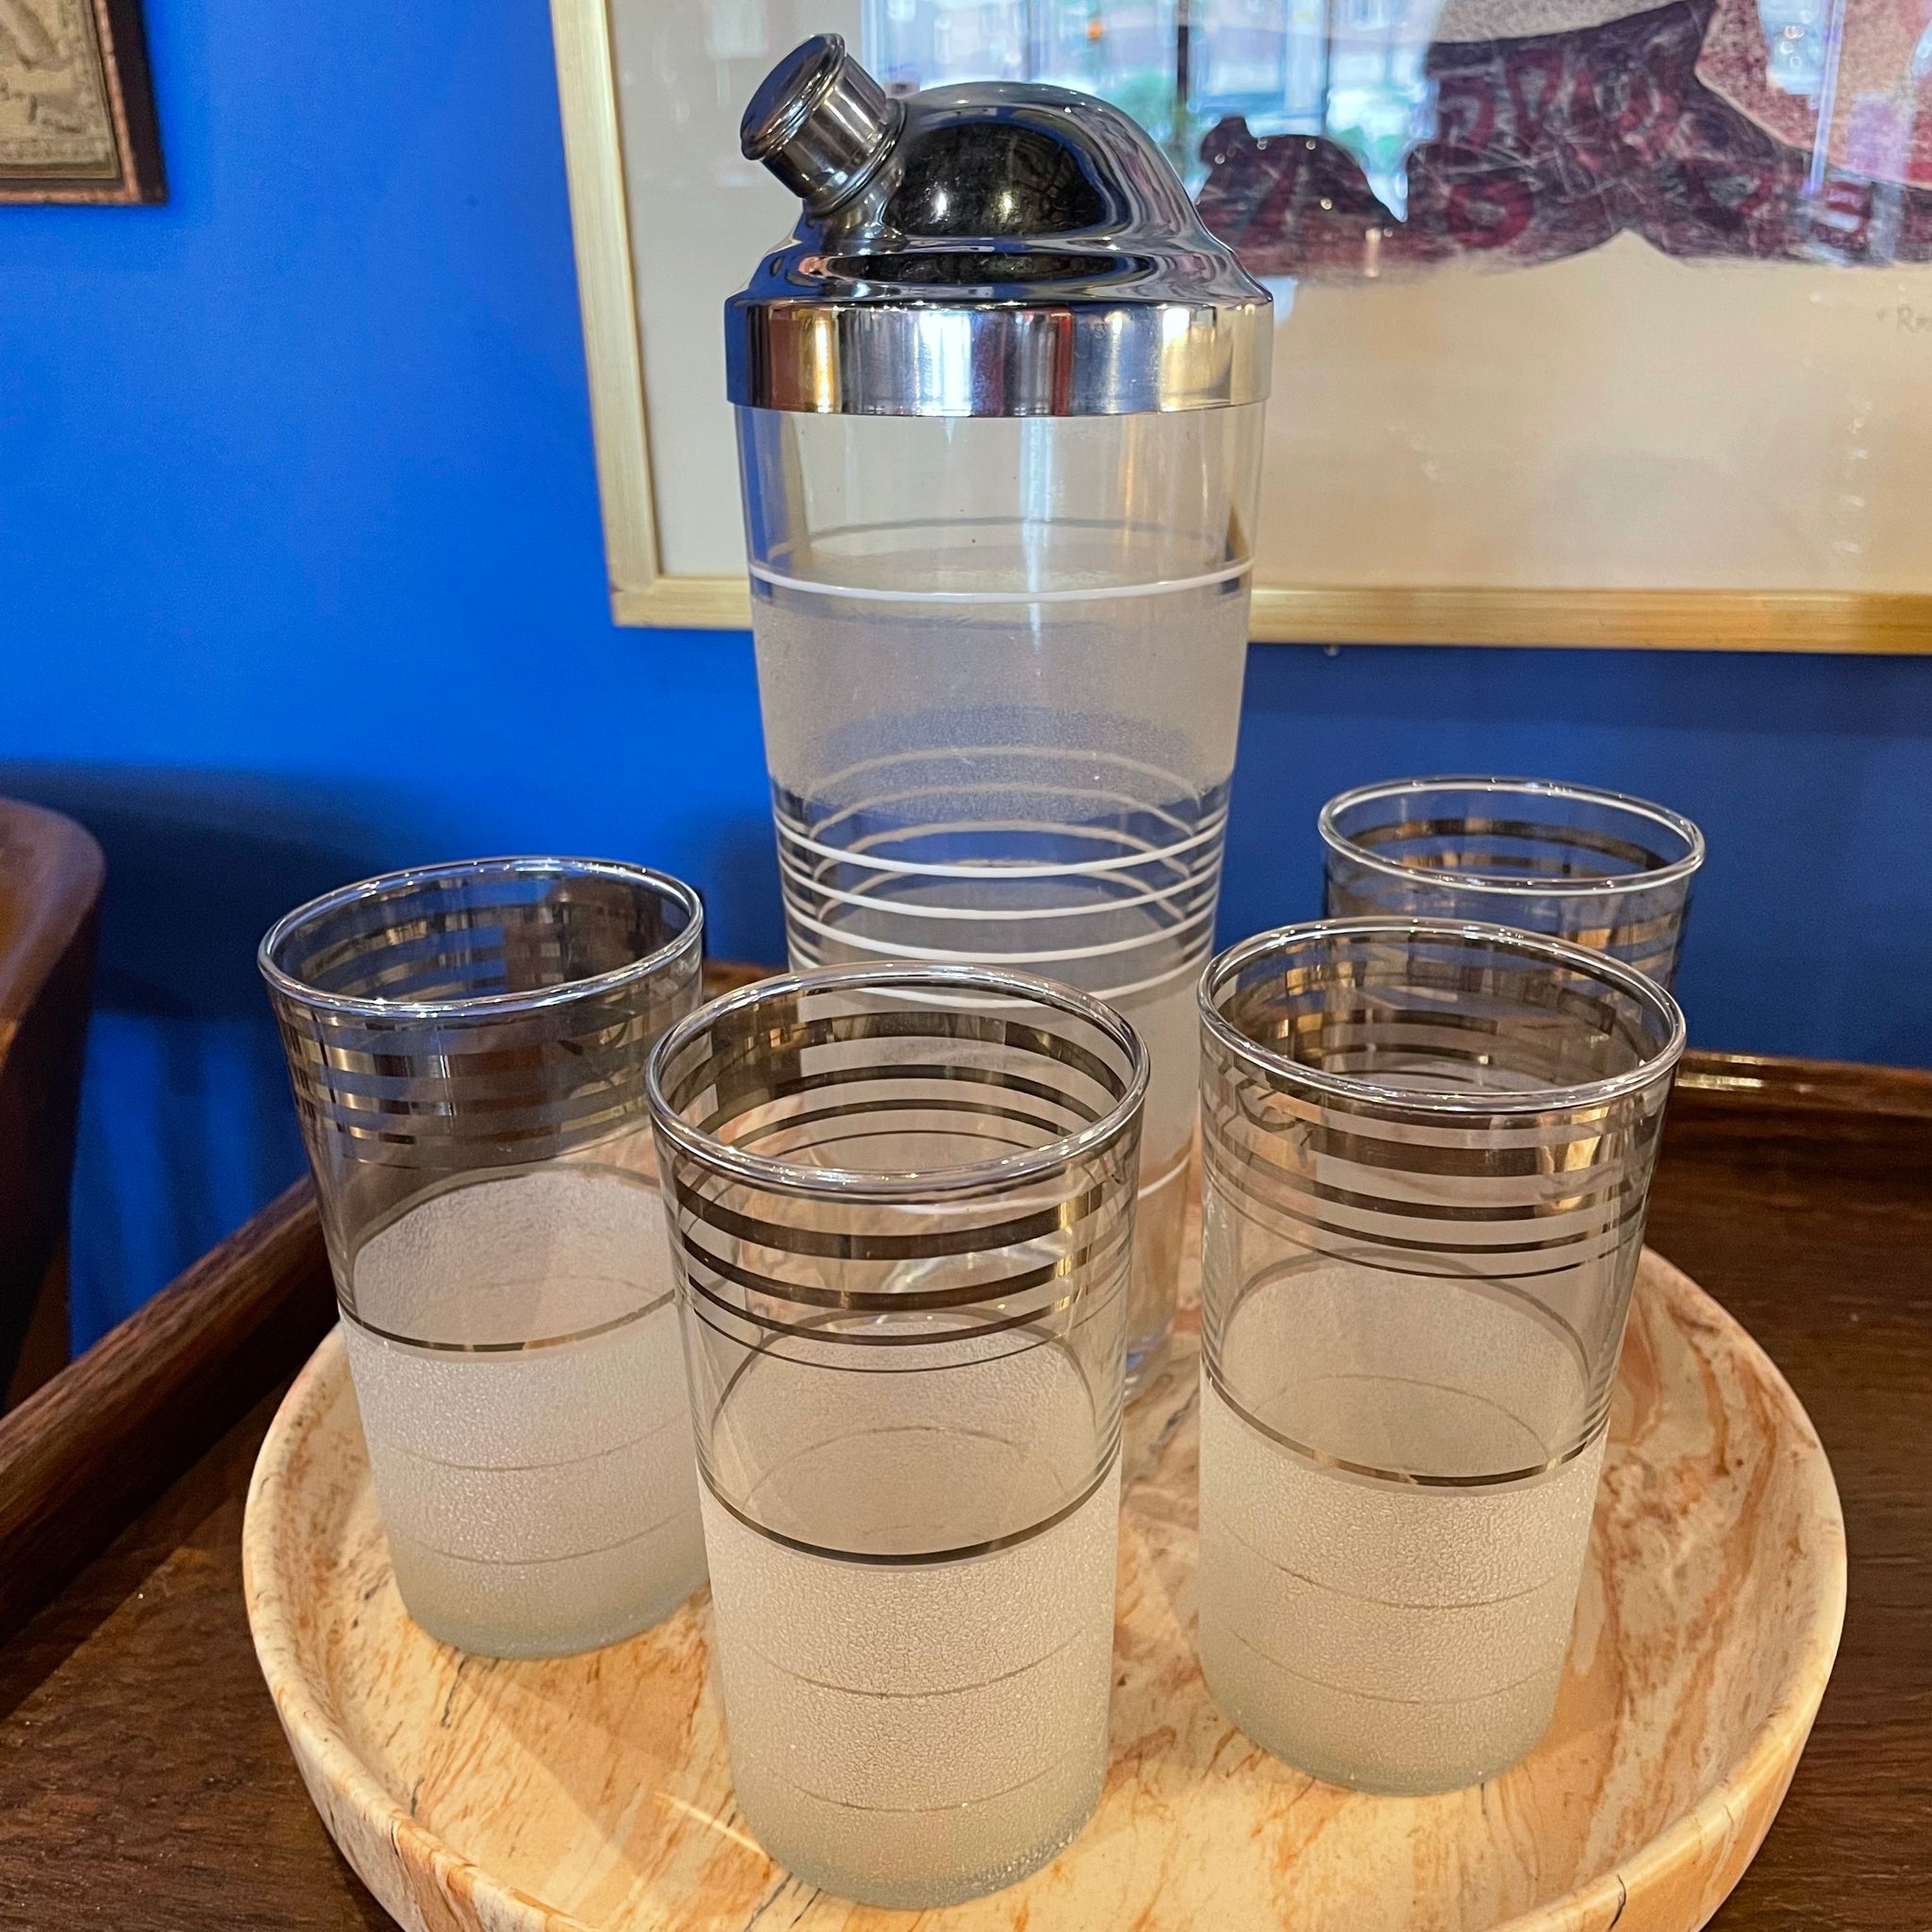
989, 249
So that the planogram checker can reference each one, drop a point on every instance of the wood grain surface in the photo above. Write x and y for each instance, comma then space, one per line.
1812, 1224
569, 1793
81, 1455
144, 1782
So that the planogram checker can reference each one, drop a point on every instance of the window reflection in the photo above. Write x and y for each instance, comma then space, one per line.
1340, 139
1352, 69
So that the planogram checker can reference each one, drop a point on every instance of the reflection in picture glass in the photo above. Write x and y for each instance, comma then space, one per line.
1336, 138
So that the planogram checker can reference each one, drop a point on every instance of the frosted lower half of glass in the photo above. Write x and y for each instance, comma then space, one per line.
539, 1500
919, 1735
912, 1733
1383, 1633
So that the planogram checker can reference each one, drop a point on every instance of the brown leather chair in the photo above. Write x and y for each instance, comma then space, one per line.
51, 873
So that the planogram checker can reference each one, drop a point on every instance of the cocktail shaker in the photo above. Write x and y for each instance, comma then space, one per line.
999, 402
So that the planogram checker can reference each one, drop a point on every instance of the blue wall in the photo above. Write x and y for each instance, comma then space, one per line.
301, 577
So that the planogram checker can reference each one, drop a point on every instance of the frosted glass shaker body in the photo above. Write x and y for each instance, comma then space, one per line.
1000, 667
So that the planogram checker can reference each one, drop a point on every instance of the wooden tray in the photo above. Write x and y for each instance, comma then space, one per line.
594, 1791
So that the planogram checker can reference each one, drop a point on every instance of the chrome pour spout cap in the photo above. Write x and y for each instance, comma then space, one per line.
989, 249
820, 123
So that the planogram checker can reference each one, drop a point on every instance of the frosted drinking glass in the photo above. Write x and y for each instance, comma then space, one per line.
467, 1045
1427, 1148
903, 1216
1603, 870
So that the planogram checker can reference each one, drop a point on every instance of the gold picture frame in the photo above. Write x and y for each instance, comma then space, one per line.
643, 593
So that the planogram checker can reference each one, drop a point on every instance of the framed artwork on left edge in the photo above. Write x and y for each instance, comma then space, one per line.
77, 105
1601, 322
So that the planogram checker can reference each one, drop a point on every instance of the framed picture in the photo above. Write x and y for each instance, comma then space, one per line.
1595, 322
76, 108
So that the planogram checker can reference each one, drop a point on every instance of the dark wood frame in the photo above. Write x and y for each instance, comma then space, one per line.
121, 38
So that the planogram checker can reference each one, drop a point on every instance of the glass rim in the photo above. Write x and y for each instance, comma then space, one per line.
362, 1005
1599, 966
796, 1177
1659, 815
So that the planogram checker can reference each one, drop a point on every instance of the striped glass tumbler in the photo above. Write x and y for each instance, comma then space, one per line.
1426, 1151
904, 1202
467, 1044
1607, 871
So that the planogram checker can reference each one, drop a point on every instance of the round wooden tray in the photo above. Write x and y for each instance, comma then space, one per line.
593, 1792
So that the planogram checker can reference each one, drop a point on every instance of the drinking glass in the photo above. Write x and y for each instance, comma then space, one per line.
1600, 869
903, 1201
467, 1044
1427, 1148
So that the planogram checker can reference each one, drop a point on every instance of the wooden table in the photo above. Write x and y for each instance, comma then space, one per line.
145, 1783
